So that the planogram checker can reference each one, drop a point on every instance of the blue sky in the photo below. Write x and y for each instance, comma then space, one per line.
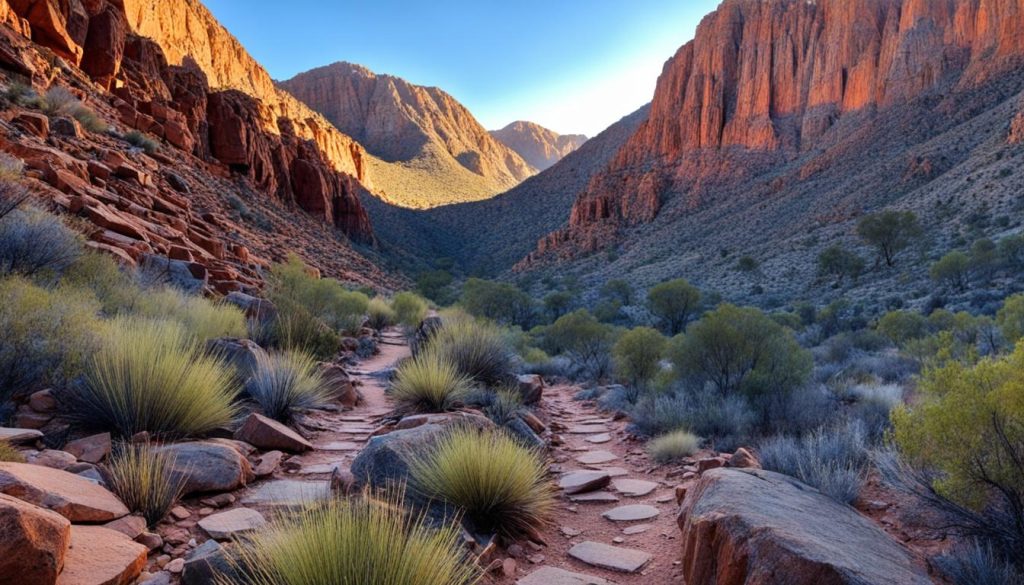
570, 65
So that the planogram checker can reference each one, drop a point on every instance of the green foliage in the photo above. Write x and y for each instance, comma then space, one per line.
285, 383
293, 283
558, 303
499, 485
89, 120
47, 335
353, 541
37, 244
141, 140
115, 288
618, 290
1011, 251
741, 349
201, 317
638, 355
953, 270
296, 329
578, 335
410, 309
145, 480
840, 263
21, 94
8, 454
1011, 318
673, 303
153, 376
673, 446
747, 264
984, 258
505, 406
380, 315
428, 383
436, 286
890, 232
903, 326
498, 301
478, 350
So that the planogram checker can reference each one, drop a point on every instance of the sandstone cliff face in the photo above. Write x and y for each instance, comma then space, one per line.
774, 76
413, 127
538, 146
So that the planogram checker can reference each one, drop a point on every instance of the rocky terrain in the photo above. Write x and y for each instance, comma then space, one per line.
538, 146
429, 148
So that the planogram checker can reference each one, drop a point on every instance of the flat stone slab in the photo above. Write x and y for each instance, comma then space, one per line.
637, 529
633, 488
320, 468
595, 498
598, 439
225, 525
340, 446
588, 429
579, 482
18, 436
626, 560
597, 457
99, 555
288, 492
71, 496
631, 513
556, 576
615, 471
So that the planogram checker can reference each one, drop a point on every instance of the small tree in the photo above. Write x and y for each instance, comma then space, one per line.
498, 301
580, 336
953, 270
747, 264
839, 263
984, 259
903, 326
618, 290
890, 232
1011, 318
673, 303
638, 355
1011, 251
435, 285
558, 303
410, 309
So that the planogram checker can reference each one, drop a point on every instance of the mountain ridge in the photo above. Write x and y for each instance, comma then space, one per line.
539, 146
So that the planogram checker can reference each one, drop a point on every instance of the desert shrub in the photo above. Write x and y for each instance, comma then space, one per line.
498, 484
410, 309
835, 460
294, 286
902, 326
872, 404
673, 303
153, 376
505, 405
741, 350
436, 286
723, 420
558, 303
8, 454
478, 350
89, 120
1010, 318
380, 315
953, 270
582, 338
285, 383
141, 140
618, 290
20, 93
47, 335
978, 563
984, 259
1011, 251
116, 289
58, 101
890, 232
840, 263
296, 329
359, 540
37, 244
969, 427
673, 446
638, 355
428, 382
145, 480
747, 264
201, 317
498, 301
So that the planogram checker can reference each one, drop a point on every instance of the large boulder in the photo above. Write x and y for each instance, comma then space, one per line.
100, 556
531, 388
70, 495
209, 467
33, 541
756, 527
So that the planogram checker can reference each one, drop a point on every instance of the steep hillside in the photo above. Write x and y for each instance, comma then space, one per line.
488, 237
793, 118
538, 146
431, 149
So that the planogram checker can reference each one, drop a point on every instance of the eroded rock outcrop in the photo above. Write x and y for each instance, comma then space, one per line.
538, 146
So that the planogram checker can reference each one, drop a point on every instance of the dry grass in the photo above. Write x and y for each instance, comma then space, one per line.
144, 480
8, 454
673, 446
285, 383
202, 317
428, 383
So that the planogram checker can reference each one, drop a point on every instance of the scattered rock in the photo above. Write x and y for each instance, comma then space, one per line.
343, 482
588, 429
241, 353
579, 482
218, 501
556, 576
531, 388
43, 402
744, 459
33, 542
633, 488
130, 526
597, 457
99, 556
595, 498
266, 433
337, 380
605, 556
71, 496
599, 439
92, 449
205, 564
710, 463
631, 513
225, 525
636, 529
209, 466
268, 463
52, 458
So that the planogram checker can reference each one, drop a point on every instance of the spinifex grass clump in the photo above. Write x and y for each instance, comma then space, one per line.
8, 454
285, 383
144, 479
673, 446
152, 376
428, 383
379, 314
500, 486
201, 317
478, 350
353, 542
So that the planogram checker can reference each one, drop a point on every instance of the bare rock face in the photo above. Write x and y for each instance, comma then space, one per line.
71, 496
538, 146
100, 556
33, 542
404, 123
755, 527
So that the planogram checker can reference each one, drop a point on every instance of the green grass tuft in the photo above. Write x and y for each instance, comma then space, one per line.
353, 542
479, 350
285, 383
153, 376
673, 446
428, 383
500, 486
201, 317
379, 314
144, 480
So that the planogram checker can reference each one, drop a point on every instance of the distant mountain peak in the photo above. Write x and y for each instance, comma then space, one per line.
539, 146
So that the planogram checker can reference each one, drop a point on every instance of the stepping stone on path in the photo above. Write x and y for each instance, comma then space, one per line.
637, 529
288, 492
597, 457
633, 488
225, 525
595, 498
579, 482
631, 513
615, 471
605, 556
556, 576
340, 446
598, 439
587, 429
323, 468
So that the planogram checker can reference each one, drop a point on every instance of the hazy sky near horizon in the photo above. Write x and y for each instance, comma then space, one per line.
575, 66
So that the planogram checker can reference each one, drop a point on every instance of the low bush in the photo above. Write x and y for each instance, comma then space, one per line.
21, 94
726, 421
1010, 318
582, 338
674, 303
410, 309
673, 446
37, 244
296, 329
903, 326
428, 383
89, 120
116, 289
153, 376
296, 287
361, 540
58, 101
380, 315
498, 301
201, 317
8, 454
835, 460
144, 479
47, 335
478, 350
141, 140
285, 383
498, 484
976, 563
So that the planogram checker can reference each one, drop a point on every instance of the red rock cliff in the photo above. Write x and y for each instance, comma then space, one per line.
774, 75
